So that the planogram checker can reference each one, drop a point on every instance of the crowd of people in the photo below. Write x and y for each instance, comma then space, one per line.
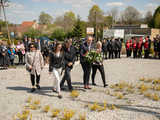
139, 47
61, 60
8, 53
62, 56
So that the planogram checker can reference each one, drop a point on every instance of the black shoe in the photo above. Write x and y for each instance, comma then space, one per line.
62, 88
94, 84
60, 96
105, 85
38, 87
54, 90
71, 89
33, 89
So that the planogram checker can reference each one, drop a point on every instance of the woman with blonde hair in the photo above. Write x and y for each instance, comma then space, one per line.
98, 64
56, 60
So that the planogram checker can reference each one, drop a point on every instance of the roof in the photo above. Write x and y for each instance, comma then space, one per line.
27, 23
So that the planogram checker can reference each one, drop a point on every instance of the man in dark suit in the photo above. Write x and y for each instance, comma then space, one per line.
86, 66
26, 44
69, 59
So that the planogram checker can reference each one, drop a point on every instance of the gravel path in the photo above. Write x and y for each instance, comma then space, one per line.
15, 86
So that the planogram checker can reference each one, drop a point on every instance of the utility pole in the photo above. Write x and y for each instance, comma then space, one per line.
5, 18
95, 25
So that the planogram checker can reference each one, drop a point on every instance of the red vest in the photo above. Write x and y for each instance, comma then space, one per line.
146, 45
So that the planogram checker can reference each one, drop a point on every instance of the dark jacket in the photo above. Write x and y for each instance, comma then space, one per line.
69, 56
83, 50
105, 46
55, 61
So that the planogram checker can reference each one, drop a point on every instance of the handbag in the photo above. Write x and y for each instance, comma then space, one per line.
27, 67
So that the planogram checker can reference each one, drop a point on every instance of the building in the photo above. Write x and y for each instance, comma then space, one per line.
139, 30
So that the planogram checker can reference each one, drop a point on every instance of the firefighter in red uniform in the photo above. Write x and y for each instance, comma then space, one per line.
134, 46
139, 46
128, 48
130, 53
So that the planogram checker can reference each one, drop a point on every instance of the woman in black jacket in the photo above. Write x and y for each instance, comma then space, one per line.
55, 64
98, 64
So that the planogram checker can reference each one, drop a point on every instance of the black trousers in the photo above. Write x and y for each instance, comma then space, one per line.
12, 61
33, 79
86, 72
119, 53
66, 77
128, 52
116, 53
146, 53
110, 54
101, 69
139, 53
20, 57
134, 53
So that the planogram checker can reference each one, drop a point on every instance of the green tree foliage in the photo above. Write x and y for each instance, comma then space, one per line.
58, 34
66, 21
32, 33
45, 18
156, 18
78, 30
108, 20
95, 15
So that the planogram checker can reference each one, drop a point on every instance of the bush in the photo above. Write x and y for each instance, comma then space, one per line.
58, 34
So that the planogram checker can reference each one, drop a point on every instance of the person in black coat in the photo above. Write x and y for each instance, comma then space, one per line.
69, 59
4, 57
56, 62
155, 42
105, 48
86, 66
26, 44
158, 49
110, 49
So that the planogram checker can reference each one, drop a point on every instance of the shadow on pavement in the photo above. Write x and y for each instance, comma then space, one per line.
42, 91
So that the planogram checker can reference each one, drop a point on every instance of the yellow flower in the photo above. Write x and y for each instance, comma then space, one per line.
82, 116
46, 108
74, 94
55, 112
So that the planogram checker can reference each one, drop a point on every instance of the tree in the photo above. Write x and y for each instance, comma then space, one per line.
156, 18
157, 21
58, 34
148, 19
114, 14
66, 21
108, 20
69, 21
96, 17
77, 30
32, 33
45, 18
131, 15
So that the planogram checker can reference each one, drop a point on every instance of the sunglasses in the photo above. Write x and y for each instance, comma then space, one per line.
32, 47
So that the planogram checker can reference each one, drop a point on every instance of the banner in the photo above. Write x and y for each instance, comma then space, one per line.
119, 33
108, 33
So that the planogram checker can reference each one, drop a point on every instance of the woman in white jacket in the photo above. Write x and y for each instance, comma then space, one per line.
35, 63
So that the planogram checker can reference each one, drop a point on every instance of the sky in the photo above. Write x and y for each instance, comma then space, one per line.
29, 10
